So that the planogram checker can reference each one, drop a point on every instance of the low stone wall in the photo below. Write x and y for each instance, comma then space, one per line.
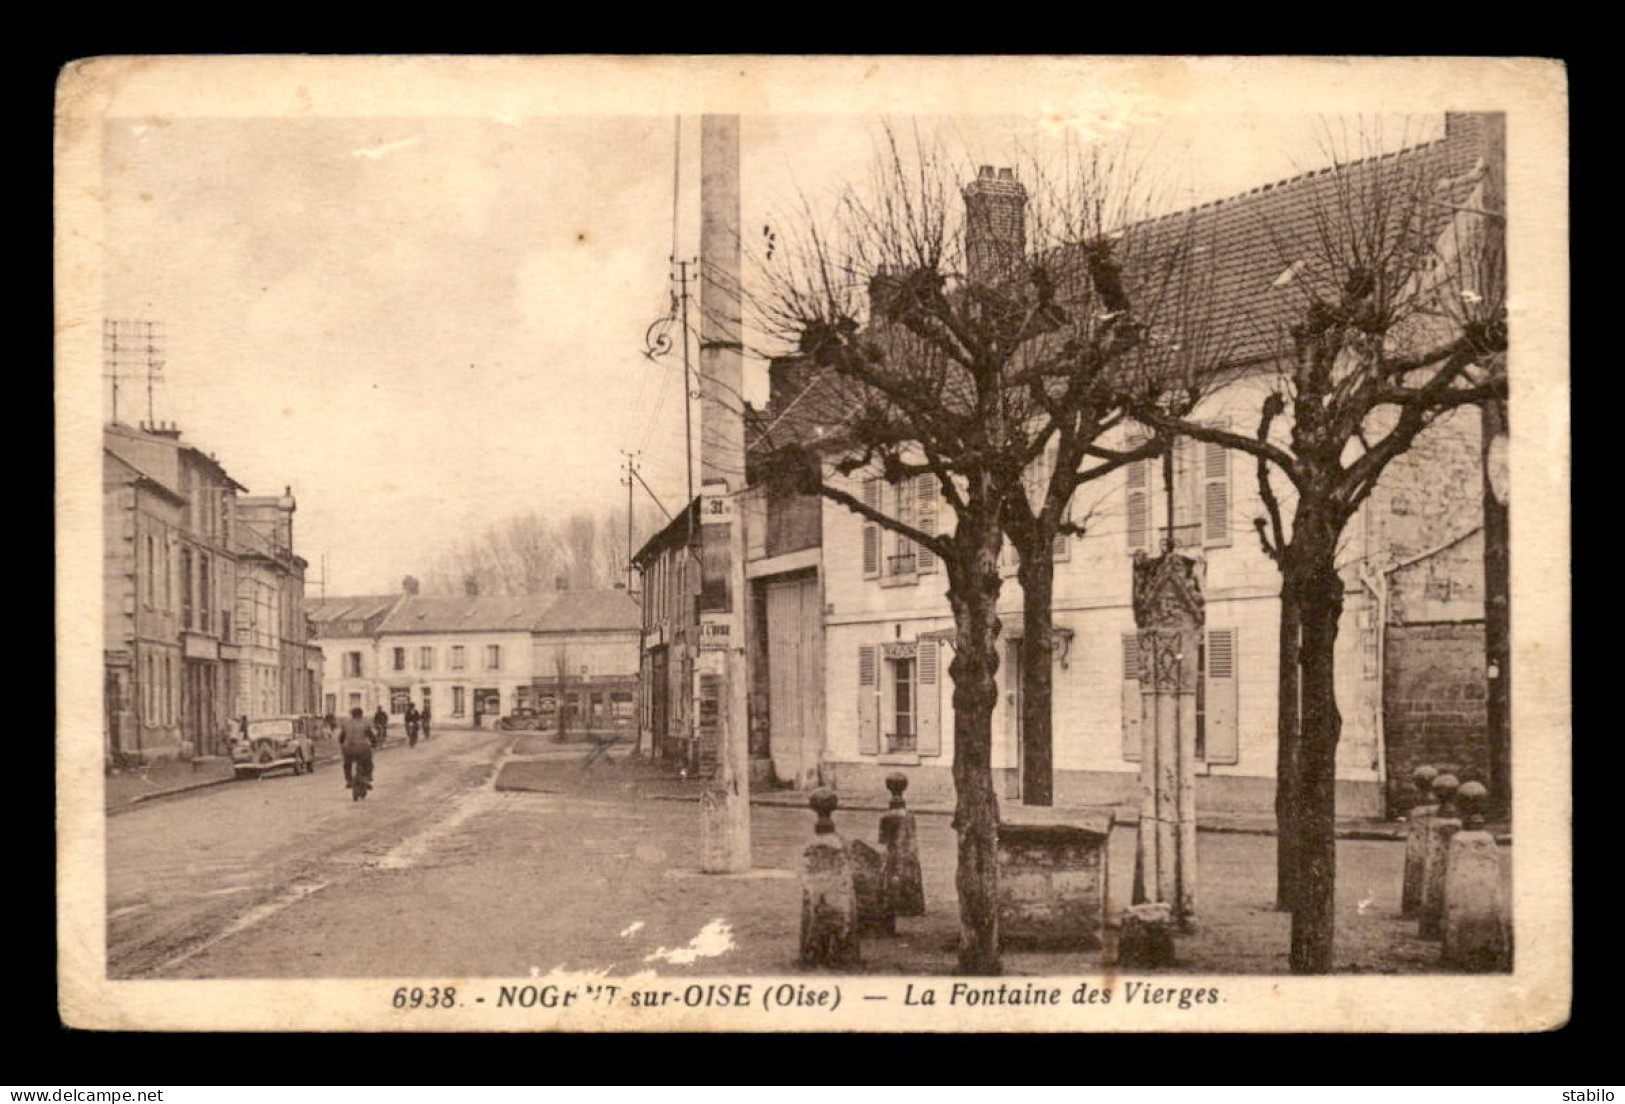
1053, 879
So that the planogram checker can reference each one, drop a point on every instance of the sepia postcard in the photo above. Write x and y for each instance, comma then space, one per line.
884, 544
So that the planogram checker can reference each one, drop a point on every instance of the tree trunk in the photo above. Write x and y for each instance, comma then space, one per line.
1037, 678
1287, 744
1320, 593
974, 596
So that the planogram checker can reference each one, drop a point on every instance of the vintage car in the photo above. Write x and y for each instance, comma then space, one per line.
265, 744
521, 719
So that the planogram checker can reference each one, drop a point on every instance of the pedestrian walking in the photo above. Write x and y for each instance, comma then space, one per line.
424, 719
412, 717
355, 742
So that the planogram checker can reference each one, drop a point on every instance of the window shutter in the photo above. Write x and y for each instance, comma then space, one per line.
1131, 697
871, 531
1223, 743
1215, 495
1137, 483
929, 692
925, 519
868, 701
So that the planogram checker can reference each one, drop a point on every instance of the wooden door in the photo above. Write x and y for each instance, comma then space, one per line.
795, 679
784, 678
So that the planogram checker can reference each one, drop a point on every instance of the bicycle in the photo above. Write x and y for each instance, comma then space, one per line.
361, 780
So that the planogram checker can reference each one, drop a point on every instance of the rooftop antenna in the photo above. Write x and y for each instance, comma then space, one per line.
130, 346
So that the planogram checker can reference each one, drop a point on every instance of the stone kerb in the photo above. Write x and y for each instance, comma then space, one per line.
1053, 878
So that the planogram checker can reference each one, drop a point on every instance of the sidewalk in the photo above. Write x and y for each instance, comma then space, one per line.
657, 784
621, 847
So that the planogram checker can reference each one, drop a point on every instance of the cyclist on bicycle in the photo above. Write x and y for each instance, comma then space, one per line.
356, 743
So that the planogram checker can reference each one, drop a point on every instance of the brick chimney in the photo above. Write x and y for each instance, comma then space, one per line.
995, 223
471, 586
409, 585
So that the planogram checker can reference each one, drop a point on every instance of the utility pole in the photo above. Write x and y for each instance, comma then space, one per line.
631, 469
723, 699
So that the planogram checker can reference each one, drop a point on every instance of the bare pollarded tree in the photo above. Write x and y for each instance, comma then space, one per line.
946, 352
1391, 296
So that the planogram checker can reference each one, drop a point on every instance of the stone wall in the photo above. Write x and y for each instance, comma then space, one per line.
1433, 704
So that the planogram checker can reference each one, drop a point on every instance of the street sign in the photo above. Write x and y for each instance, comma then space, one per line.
716, 508
714, 632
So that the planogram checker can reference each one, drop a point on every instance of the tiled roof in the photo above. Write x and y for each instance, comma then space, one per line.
322, 610
591, 611
1257, 253
493, 613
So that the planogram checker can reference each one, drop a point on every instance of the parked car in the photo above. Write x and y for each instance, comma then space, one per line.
521, 719
274, 743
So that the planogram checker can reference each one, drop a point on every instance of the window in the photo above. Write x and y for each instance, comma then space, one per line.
152, 570
458, 700
901, 734
205, 593
1200, 499
899, 696
493, 657
169, 578
355, 699
890, 555
398, 659
456, 657
1215, 704
352, 664
425, 659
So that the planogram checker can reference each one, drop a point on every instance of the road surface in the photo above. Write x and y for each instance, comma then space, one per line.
189, 872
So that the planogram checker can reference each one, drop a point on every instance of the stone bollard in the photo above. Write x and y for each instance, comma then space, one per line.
905, 889
869, 884
1410, 897
1146, 936
1477, 924
829, 904
1441, 826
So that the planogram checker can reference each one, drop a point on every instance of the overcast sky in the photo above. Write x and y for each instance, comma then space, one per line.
425, 325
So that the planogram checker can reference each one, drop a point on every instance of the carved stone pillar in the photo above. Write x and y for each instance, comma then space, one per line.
1168, 612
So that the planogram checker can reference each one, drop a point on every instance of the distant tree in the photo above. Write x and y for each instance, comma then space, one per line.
527, 553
